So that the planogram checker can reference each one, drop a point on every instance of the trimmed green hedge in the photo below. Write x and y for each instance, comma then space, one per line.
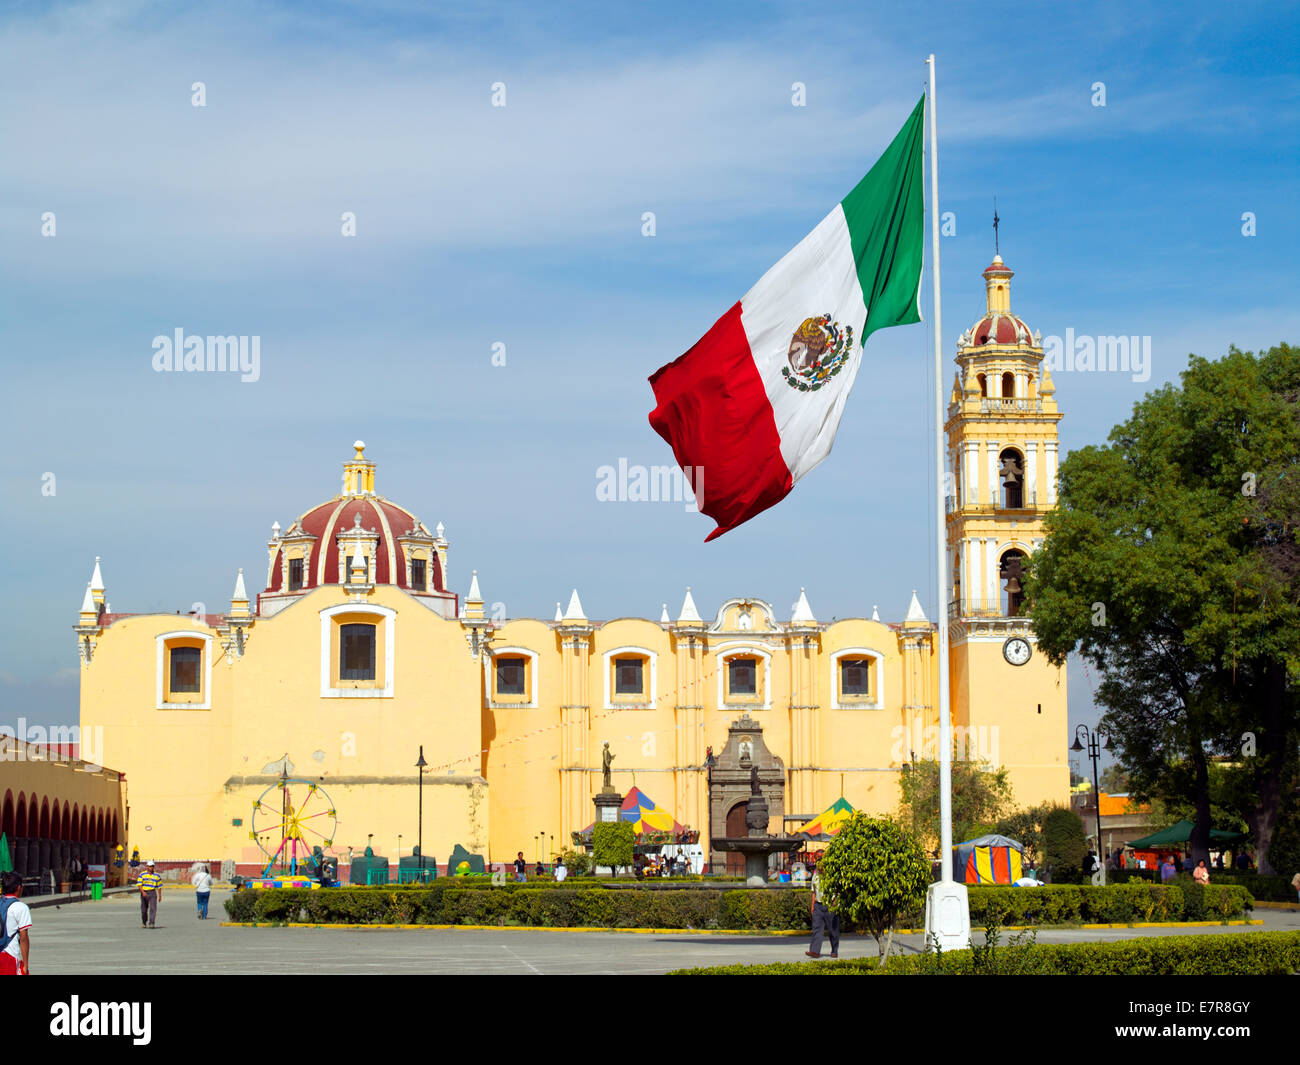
1113, 904
453, 901
550, 906
1243, 954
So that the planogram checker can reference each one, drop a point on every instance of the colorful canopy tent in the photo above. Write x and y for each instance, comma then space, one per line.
1179, 835
987, 860
645, 816
828, 822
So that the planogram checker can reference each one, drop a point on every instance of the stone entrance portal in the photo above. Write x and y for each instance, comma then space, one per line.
729, 788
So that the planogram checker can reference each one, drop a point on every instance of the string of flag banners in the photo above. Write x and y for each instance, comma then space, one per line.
450, 766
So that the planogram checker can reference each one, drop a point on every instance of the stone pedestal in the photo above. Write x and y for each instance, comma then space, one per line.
608, 803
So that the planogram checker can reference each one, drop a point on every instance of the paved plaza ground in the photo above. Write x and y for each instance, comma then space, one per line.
105, 937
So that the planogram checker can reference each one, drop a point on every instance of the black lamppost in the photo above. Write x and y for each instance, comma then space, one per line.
1096, 744
419, 846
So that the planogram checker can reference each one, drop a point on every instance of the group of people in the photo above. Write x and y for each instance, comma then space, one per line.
663, 865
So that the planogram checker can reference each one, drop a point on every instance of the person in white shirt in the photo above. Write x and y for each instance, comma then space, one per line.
15, 956
202, 881
561, 870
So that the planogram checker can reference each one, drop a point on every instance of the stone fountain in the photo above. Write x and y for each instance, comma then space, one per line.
757, 846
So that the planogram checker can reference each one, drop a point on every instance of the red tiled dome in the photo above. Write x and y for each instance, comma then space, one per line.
1000, 329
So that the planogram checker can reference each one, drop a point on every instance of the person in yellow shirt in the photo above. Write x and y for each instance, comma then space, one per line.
150, 884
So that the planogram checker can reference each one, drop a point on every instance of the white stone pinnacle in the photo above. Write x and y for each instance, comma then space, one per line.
914, 611
97, 579
574, 613
240, 596
475, 596
803, 614
689, 612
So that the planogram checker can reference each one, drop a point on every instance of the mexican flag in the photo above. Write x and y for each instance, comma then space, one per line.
754, 405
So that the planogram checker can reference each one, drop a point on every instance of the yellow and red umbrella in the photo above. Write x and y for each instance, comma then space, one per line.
828, 822
645, 816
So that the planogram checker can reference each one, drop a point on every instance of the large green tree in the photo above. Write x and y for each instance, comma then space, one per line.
1171, 564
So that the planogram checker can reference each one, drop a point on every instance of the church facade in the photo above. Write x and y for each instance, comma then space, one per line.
357, 660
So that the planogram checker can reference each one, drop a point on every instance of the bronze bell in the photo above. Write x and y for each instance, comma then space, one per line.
1013, 585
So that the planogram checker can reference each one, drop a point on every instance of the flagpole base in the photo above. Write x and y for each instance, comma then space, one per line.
947, 916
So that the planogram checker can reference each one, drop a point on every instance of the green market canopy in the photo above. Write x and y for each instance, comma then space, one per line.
1179, 835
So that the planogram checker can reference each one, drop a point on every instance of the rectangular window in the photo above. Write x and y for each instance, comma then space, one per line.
356, 652
417, 575
347, 570
510, 676
295, 574
628, 678
742, 676
185, 669
853, 676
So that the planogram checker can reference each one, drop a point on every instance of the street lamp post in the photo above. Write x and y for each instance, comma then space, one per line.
1096, 744
709, 763
419, 769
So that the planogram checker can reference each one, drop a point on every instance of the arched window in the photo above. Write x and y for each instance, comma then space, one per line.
1008, 385
984, 385
1012, 573
1031, 387
1011, 476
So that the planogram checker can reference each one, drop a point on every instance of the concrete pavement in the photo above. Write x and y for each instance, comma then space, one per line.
103, 937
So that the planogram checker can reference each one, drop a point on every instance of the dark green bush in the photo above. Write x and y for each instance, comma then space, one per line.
1245, 954
1064, 845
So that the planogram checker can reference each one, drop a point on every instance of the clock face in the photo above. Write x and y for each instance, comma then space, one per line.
1017, 651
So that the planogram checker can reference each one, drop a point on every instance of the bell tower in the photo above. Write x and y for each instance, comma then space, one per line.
1002, 459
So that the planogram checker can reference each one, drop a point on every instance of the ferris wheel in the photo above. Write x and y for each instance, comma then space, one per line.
291, 819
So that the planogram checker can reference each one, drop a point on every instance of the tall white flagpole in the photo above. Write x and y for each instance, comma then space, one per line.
947, 911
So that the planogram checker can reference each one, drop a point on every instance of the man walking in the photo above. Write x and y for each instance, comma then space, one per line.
15, 919
824, 920
202, 881
150, 884
521, 868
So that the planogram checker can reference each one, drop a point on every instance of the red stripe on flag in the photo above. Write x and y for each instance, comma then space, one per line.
713, 411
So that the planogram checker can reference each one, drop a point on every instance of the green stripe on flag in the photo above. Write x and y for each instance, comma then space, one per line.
885, 213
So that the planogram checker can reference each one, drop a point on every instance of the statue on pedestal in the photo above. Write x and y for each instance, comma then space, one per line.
607, 760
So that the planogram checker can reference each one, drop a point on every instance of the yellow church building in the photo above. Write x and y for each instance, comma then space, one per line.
357, 660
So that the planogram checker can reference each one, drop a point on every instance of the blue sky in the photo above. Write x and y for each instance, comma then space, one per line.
522, 225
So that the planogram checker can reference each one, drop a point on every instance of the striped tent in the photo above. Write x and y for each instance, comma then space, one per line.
828, 822
645, 816
987, 860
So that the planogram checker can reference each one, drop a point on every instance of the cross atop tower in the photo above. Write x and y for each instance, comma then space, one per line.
996, 250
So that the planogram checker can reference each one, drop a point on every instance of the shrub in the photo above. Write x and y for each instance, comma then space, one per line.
1064, 845
1246, 954
612, 844
873, 872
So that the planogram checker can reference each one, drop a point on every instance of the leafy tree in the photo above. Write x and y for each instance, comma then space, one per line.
578, 862
1114, 781
1172, 565
873, 871
612, 843
980, 796
1064, 844
1026, 827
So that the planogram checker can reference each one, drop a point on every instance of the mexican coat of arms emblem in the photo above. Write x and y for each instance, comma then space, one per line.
818, 351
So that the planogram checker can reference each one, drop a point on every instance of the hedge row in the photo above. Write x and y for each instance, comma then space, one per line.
548, 907
1243, 954
1272, 888
1113, 904
561, 906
